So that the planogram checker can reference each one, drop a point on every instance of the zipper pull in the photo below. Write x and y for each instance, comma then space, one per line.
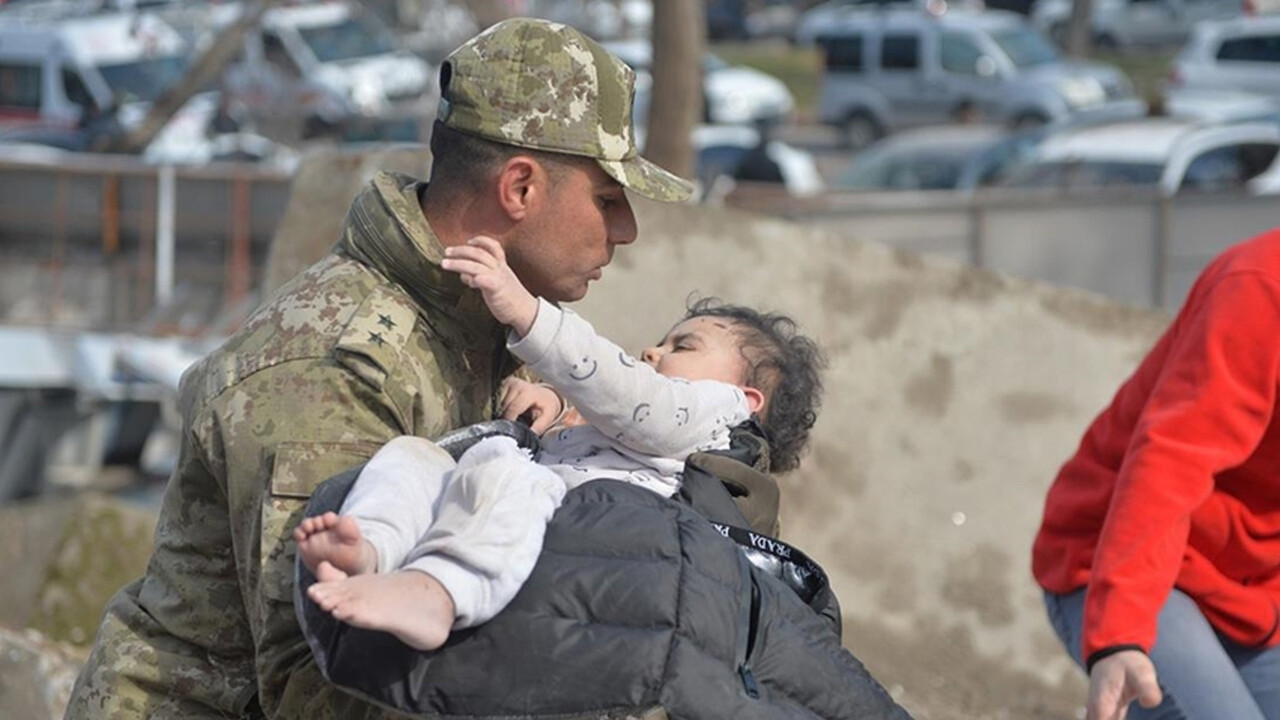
749, 681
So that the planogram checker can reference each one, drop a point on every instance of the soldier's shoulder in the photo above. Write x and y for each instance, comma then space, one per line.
338, 309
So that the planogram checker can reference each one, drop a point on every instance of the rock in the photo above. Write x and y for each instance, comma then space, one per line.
36, 674
65, 557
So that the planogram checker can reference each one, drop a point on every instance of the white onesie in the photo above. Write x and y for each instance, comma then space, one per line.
477, 526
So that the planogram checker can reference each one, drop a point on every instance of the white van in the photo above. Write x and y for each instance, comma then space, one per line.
52, 68
329, 65
63, 62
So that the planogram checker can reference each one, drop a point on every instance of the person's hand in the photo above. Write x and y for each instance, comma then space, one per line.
482, 263
542, 403
1119, 679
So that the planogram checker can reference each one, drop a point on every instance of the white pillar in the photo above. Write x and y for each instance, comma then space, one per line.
164, 234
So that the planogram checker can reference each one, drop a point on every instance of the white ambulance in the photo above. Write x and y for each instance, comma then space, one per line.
59, 65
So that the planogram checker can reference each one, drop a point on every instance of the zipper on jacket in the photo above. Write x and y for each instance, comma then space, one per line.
748, 626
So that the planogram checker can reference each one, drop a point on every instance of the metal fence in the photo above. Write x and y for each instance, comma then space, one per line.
1136, 247
110, 243
105, 242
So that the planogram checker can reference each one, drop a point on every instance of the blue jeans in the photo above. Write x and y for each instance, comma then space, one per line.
1203, 675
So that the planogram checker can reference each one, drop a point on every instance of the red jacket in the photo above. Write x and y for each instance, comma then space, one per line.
1178, 481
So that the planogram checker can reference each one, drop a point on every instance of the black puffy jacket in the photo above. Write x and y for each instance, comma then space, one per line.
637, 603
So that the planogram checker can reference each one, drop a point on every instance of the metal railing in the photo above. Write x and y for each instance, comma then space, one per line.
1136, 247
105, 242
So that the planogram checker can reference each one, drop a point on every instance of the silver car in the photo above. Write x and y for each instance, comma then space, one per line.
1134, 23
1241, 55
892, 69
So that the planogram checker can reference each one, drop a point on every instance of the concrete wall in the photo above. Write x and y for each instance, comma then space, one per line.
1135, 247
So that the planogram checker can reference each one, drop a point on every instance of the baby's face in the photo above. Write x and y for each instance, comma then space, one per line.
700, 348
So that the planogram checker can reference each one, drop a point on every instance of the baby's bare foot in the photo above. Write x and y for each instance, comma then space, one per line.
334, 539
411, 605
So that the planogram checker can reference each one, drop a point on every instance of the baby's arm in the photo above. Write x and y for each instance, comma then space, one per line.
623, 397
542, 403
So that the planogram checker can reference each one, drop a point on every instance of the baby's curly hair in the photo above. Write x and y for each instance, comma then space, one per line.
784, 365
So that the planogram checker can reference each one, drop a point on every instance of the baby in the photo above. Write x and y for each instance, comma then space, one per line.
424, 545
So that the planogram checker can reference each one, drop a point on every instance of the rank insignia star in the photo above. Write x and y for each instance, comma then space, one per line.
386, 321
376, 339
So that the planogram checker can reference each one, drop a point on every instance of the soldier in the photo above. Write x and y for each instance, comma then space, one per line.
533, 146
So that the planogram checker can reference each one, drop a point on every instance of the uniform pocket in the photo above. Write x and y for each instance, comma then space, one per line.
297, 470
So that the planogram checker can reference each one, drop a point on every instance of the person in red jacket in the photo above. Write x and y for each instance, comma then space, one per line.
1159, 551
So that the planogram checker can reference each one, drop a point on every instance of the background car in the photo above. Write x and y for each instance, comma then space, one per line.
734, 94
1242, 54
893, 69
722, 151
958, 157
1134, 23
1169, 154
815, 21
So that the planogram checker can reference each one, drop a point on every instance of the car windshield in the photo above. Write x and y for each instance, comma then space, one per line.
143, 80
1078, 174
1025, 47
889, 169
348, 39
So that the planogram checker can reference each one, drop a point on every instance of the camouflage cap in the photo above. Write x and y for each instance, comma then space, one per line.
546, 86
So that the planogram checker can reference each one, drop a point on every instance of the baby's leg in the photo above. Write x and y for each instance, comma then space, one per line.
470, 564
336, 540
394, 499
489, 528
412, 605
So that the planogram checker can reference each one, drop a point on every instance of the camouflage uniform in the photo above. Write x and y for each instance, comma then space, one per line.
372, 342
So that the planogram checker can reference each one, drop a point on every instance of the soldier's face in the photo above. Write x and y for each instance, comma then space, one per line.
568, 241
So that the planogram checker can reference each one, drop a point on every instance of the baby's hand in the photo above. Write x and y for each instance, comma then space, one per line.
482, 263
542, 403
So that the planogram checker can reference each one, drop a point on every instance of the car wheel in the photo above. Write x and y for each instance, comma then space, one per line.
1028, 120
858, 130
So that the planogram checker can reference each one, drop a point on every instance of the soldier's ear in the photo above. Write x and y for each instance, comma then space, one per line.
519, 186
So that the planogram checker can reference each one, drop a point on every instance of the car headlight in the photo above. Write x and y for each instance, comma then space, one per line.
367, 99
1082, 91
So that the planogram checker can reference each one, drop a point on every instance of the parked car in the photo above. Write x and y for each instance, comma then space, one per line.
956, 157
1134, 23
815, 21
1214, 105
71, 75
734, 94
723, 150
601, 19
327, 67
55, 67
1168, 154
720, 150
893, 69
1242, 54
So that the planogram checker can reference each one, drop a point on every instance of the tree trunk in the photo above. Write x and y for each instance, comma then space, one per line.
1080, 29
676, 103
203, 71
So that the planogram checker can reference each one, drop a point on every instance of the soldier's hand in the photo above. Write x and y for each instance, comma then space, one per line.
541, 402
482, 264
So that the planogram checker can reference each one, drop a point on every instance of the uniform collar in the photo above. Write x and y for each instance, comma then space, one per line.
387, 230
